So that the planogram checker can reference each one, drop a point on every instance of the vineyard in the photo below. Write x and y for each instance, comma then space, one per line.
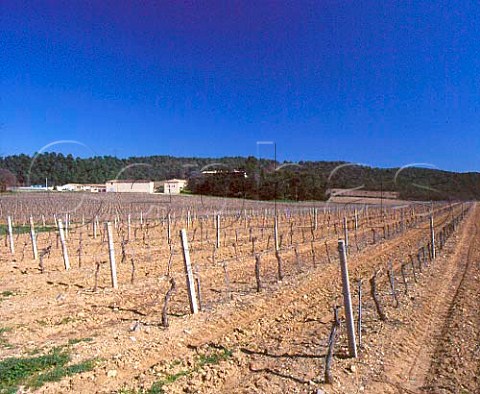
152, 294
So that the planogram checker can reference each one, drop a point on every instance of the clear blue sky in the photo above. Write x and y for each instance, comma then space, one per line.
384, 83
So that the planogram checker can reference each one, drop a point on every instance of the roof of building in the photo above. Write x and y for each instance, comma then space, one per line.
176, 181
129, 181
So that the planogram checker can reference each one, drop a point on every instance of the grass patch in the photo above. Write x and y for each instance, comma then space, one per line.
221, 353
4, 330
3, 342
58, 373
78, 340
125, 390
7, 293
34, 372
66, 320
157, 388
214, 358
25, 229
34, 352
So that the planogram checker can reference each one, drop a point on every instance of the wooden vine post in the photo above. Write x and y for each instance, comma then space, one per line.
66, 260
257, 273
192, 297
217, 228
279, 265
33, 239
95, 227
129, 227
275, 234
432, 237
111, 253
66, 225
345, 233
347, 299
360, 313
10, 235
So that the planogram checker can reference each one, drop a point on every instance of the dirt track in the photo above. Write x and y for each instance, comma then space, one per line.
456, 362
417, 354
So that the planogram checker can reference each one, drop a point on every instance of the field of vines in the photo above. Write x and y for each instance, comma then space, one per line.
108, 282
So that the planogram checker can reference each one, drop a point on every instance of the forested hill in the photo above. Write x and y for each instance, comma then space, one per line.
265, 179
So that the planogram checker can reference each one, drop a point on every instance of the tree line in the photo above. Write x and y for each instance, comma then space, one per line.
254, 178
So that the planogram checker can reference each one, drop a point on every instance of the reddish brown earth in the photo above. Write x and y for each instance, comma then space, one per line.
272, 342
420, 348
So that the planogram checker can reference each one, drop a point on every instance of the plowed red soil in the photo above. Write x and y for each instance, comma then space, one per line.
272, 342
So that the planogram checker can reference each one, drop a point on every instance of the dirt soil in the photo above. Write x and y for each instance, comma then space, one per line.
429, 343
272, 342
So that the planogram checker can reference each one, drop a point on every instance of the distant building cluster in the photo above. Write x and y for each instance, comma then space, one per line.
171, 186
32, 188
80, 187
168, 186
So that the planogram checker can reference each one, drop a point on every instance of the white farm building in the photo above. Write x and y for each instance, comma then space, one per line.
80, 187
129, 186
174, 186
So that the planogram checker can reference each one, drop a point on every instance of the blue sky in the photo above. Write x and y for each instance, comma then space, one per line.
385, 83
